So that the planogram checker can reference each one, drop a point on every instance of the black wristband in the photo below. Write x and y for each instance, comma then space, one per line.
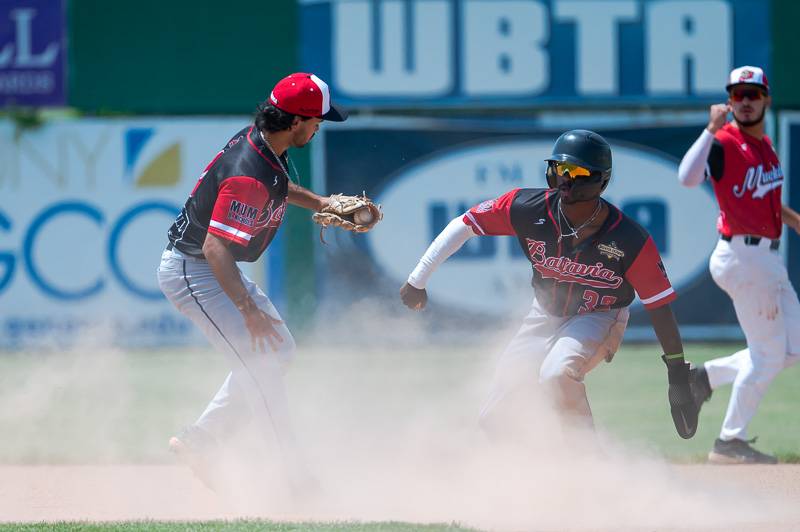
677, 369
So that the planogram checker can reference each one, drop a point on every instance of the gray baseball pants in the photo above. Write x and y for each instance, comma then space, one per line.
551, 354
254, 389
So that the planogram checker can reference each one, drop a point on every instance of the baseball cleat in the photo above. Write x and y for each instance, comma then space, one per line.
738, 452
699, 385
184, 448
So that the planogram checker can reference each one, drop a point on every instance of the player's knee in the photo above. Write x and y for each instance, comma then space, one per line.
761, 372
565, 387
562, 375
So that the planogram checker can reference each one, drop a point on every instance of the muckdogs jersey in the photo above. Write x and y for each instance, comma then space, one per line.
747, 179
600, 273
241, 196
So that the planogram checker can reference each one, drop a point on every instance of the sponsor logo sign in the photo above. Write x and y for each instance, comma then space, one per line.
521, 52
81, 241
32, 52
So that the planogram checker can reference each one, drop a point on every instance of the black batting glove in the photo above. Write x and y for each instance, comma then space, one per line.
682, 406
413, 298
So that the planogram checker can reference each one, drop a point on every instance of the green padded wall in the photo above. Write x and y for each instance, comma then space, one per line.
785, 74
178, 56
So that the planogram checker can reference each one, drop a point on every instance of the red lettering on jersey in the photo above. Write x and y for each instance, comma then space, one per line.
565, 270
271, 214
591, 300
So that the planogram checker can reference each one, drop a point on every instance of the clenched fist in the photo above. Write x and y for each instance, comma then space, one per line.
413, 298
717, 116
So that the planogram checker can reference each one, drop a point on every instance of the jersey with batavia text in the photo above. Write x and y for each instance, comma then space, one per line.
603, 272
747, 179
241, 197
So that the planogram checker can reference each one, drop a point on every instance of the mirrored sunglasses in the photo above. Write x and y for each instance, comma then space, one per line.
737, 95
573, 170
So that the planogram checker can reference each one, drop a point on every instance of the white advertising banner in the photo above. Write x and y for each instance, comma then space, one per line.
84, 210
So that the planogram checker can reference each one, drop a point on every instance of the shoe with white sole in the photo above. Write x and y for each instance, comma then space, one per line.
738, 452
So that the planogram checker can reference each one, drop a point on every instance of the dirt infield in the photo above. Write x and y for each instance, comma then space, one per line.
135, 492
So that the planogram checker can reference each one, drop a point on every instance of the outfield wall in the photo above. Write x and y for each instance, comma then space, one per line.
495, 69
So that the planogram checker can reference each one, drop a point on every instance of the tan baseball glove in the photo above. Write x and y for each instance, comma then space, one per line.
352, 213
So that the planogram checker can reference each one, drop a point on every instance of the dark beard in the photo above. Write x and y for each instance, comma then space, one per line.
754, 122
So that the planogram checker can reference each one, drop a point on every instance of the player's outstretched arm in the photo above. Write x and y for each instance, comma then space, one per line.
450, 240
302, 197
682, 406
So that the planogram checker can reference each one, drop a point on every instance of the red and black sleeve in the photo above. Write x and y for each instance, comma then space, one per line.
649, 278
492, 217
240, 200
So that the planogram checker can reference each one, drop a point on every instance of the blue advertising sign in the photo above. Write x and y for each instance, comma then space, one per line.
427, 172
412, 53
87, 204
32, 52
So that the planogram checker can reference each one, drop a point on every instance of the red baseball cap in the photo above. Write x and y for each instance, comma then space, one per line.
306, 95
748, 75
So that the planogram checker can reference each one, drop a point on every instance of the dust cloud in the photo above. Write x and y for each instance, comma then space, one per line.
389, 428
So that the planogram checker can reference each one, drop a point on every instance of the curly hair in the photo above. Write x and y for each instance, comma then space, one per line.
271, 119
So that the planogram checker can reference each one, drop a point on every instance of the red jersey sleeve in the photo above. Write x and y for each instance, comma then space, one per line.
238, 207
649, 278
492, 217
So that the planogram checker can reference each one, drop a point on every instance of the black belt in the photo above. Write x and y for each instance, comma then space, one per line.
752, 240
170, 247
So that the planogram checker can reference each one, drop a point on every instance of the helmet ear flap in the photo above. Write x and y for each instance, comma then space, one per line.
606, 180
550, 174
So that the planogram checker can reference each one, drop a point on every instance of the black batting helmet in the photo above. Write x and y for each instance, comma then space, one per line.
587, 149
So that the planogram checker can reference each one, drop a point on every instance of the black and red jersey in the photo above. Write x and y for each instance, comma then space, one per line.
602, 272
747, 179
241, 196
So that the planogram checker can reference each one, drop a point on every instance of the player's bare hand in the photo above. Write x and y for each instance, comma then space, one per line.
717, 116
413, 298
262, 329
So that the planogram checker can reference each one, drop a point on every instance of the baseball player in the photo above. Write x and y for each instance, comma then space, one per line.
745, 174
589, 260
232, 215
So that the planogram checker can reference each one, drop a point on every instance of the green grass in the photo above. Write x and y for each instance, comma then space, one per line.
122, 407
232, 526
629, 399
